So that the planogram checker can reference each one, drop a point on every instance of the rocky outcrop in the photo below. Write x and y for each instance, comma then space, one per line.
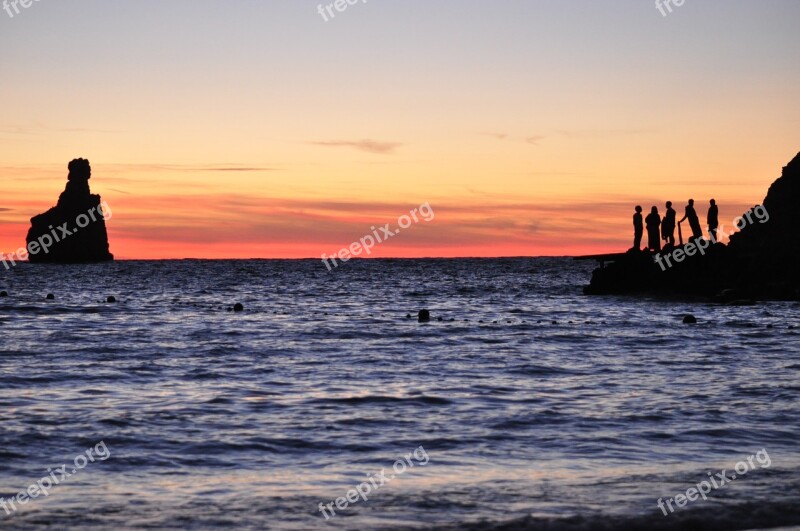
74, 230
761, 261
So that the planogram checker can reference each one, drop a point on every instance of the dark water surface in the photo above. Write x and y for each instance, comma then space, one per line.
532, 404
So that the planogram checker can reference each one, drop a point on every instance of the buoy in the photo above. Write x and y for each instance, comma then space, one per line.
111, 298
50, 297
424, 316
689, 319
238, 307
3, 294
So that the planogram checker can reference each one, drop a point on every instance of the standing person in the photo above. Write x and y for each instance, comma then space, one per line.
653, 222
638, 229
694, 221
713, 221
668, 225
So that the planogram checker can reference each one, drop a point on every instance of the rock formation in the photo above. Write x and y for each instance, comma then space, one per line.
74, 230
762, 260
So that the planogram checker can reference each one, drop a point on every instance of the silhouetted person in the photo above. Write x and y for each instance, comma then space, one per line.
653, 222
668, 225
694, 221
638, 229
713, 221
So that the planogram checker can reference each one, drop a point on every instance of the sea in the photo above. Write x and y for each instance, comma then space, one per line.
326, 404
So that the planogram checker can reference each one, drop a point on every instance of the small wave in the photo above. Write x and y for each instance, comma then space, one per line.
542, 370
220, 400
744, 516
378, 399
50, 310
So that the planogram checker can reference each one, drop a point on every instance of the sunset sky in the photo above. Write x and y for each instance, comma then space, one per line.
244, 128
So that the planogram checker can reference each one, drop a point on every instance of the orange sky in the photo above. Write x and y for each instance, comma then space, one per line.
262, 131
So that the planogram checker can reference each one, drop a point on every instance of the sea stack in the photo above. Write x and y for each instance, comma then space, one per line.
761, 262
73, 231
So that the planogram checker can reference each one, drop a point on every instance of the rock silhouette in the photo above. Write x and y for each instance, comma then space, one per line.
761, 261
74, 230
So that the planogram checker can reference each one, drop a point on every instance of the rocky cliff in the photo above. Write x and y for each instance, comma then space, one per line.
74, 230
761, 261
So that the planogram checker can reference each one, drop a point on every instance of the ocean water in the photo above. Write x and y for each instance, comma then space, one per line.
528, 406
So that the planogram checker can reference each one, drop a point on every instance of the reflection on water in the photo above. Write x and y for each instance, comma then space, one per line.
533, 402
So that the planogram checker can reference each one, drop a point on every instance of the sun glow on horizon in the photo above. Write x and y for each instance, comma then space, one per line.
261, 131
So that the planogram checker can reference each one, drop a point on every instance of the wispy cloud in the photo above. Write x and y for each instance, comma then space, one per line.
532, 139
230, 168
35, 128
558, 173
594, 133
227, 167
369, 146
139, 167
